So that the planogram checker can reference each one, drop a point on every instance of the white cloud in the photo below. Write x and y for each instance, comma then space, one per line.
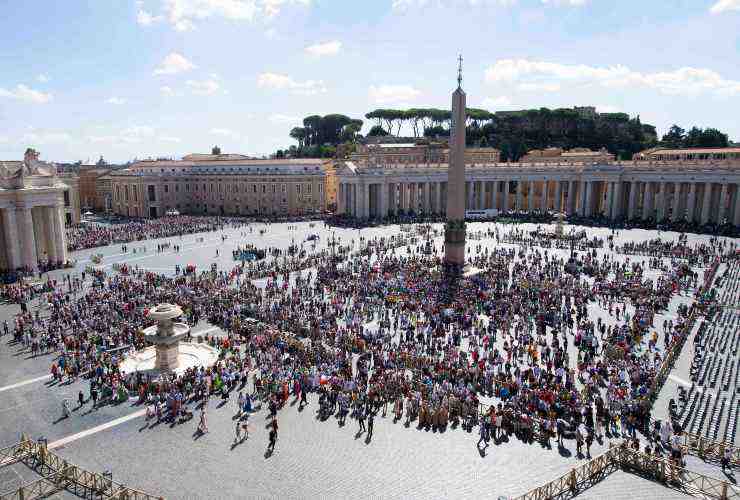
143, 18
285, 82
203, 87
405, 5
284, 119
494, 103
538, 87
174, 63
42, 78
130, 135
23, 93
4, 139
725, 6
324, 49
33, 138
166, 91
184, 14
115, 100
682, 81
225, 132
387, 94
170, 139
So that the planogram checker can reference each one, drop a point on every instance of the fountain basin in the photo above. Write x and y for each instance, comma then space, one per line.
186, 355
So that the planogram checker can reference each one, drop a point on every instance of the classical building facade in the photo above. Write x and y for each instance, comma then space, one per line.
71, 197
701, 191
32, 205
559, 155
221, 184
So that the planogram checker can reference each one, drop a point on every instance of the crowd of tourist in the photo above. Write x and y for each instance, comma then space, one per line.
514, 348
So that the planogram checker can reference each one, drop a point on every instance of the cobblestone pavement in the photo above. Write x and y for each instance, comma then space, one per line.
312, 458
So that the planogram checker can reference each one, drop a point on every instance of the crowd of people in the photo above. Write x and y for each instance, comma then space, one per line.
375, 328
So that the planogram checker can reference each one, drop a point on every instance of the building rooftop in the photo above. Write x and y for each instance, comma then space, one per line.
669, 151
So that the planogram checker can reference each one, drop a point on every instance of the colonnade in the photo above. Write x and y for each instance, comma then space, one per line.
612, 196
30, 234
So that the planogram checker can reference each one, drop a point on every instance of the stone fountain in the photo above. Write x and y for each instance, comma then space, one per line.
166, 335
169, 353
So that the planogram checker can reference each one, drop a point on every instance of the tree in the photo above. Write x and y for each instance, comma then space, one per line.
674, 138
299, 134
377, 131
215, 150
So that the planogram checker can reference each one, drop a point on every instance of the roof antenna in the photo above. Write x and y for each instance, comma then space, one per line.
459, 70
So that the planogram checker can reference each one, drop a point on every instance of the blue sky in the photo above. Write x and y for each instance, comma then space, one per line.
126, 78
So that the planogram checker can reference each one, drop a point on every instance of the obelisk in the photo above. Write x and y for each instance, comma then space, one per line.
455, 227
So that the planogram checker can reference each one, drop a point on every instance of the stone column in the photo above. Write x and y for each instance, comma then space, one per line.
51, 248
676, 202
519, 194
28, 243
365, 200
661, 202
722, 203
572, 196
632, 202
617, 202
428, 198
691, 202
543, 200
12, 243
736, 217
706, 203
582, 199
339, 198
588, 207
59, 235
438, 197
647, 206
494, 194
505, 194
383, 200
471, 195
558, 203
530, 196
609, 203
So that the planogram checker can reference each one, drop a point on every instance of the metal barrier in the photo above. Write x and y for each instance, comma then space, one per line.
58, 474
623, 458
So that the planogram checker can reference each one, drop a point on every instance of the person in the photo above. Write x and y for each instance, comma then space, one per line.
361, 419
65, 408
81, 399
727, 458
245, 426
370, 424
203, 424
237, 432
273, 435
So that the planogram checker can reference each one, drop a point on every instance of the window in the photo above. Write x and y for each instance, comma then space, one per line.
187, 187
283, 188
177, 188
166, 188
254, 188
274, 188
66, 198
151, 193
136, 194
264, 189
308, 188
298, 188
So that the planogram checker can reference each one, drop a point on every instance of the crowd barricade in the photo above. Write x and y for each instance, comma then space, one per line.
58, 474
659, 469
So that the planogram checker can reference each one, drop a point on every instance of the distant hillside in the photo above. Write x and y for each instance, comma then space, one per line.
513, 132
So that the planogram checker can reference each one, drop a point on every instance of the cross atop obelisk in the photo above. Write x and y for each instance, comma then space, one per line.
455, 227
459, 71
